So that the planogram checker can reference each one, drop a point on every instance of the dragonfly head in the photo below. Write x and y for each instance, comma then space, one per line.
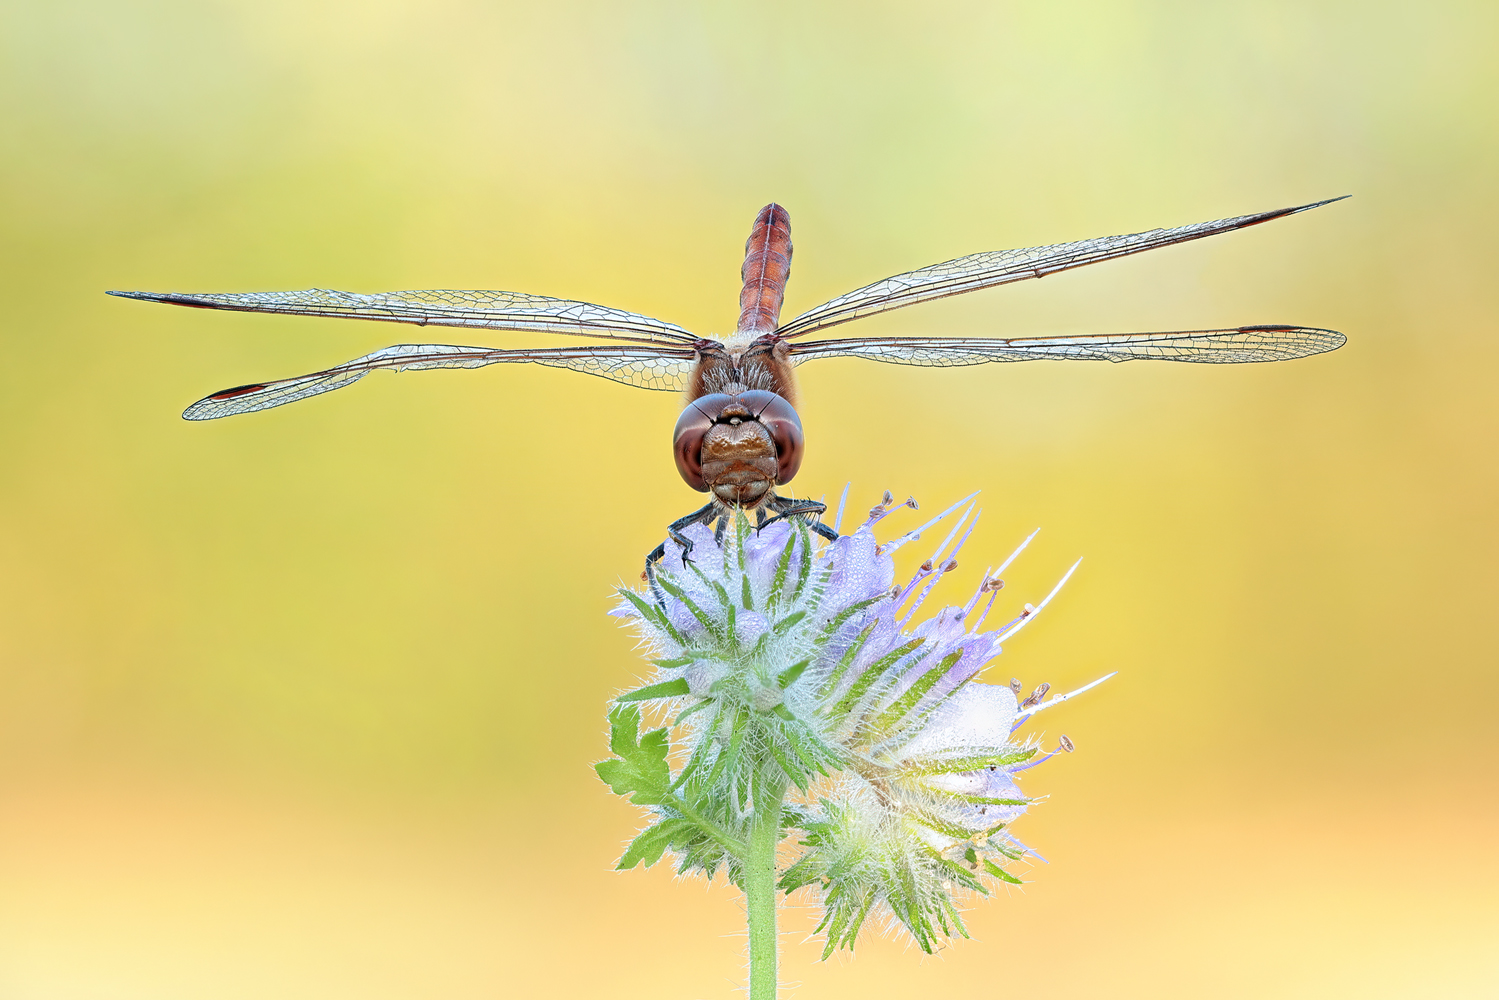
739, 445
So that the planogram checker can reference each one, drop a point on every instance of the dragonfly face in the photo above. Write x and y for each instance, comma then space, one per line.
738, 445
739, 435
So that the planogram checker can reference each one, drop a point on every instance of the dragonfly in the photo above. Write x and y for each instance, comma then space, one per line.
739, 435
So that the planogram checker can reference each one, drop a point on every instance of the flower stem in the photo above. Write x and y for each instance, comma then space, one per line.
760, 896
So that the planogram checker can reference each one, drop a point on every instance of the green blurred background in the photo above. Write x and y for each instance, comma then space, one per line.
303, 704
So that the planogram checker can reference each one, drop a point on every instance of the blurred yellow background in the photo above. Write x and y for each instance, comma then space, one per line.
302, 704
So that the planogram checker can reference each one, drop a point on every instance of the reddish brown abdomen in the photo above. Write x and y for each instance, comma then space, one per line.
767, 265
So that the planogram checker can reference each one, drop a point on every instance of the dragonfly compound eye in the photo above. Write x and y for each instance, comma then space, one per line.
692, 427
785, 427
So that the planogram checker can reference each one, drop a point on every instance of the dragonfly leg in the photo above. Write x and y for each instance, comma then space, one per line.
650, 578
702, 515
720, 529
810, 509
824, 530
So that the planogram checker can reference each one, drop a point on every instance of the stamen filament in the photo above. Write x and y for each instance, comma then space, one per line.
912, 536
1031, 613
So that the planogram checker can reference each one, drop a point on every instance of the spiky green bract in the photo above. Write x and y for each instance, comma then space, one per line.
790, 667
865, 862
922, 818
736, 630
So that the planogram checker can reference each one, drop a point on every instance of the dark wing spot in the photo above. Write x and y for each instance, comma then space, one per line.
238, 390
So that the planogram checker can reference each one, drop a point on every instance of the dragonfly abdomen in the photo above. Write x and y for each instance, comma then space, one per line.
767, 265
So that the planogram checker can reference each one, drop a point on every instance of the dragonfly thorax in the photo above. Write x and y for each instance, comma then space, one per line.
763, 364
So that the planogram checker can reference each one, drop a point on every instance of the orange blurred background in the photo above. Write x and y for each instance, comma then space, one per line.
302, 704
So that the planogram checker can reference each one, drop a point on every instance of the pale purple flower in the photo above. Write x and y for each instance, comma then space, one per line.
906, 766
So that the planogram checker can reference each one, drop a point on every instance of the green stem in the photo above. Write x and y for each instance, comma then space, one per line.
760, 896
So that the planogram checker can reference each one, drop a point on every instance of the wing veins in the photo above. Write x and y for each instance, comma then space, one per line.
443, 307
650, 367
989, 269
1232, 345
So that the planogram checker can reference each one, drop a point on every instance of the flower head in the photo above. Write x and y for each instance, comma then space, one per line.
790, 663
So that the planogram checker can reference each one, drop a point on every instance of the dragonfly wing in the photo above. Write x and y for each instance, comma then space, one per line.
647, 367
1231, 346
1000, 267
443, 307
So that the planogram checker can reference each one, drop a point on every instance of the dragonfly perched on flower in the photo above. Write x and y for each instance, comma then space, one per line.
739, 436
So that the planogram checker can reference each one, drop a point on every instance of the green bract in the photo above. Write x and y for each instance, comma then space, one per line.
822, 740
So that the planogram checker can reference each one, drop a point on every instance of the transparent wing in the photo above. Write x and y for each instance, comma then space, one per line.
443, 307
1232, 346
647, 367
999, 267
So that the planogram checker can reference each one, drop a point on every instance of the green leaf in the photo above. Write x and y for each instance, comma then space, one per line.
790, 674
797, 875
798, 741
1014, 854
730, 754
741, 535
963, 876
996, 757
992, 830
674, 662
693, 765
832, 627
746, 595
805, 569
666, 689
906, 902
697, 612
849, 655
920, 719
839, 912
779, 581
784, 625
645, 608
790, 766
794, 816
653, 614
640, 769
928, 818
829, 908
941, 913
652, 842
705, 703
624, 730
875, 672
725, 605
851, 935
953, 914
986, 800
902, 705
1000, 873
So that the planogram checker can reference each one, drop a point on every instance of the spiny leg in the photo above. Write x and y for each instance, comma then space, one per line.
823, 530
674, 531
811, 509
650, 578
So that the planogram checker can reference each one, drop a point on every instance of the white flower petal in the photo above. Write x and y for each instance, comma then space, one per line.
992, 783
976, 715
